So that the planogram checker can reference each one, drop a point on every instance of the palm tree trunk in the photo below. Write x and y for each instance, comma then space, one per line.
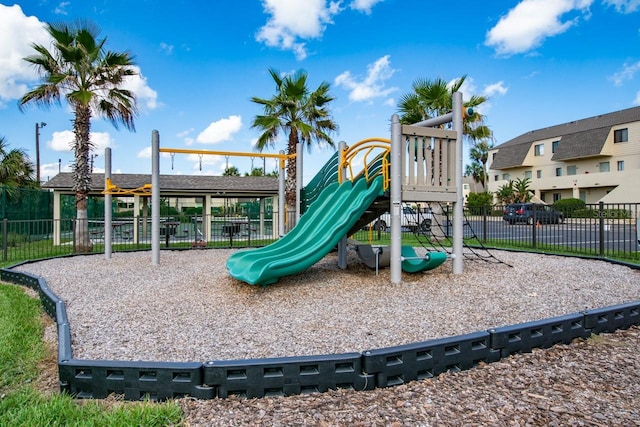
290, 182
82, 177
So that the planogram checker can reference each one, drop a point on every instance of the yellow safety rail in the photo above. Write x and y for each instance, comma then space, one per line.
380, 146
112, 188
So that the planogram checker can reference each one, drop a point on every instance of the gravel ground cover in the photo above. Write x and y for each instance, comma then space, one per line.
188, 309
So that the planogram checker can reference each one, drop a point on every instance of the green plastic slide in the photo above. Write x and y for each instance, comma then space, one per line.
327, 220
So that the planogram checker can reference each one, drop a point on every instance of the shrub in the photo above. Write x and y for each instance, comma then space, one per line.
477, 203
569, 206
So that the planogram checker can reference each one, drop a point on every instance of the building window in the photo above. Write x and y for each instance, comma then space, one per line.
620, 165
571, 170
538, 150
558, 171
539, 173
493, 156
621, 135
556, 197
554, 146
528, 174
506, 176
604, 167
496, 177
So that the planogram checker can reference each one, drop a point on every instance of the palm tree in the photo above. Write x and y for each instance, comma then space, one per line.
432, 98
521, 190
301, 114
506, 193
479, 155
80, 69
231, 171
16, 170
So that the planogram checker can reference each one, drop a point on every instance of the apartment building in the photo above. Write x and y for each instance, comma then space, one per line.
593, 159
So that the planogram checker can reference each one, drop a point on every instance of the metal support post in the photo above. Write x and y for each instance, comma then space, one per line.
396, 199
155, 198
458, 206
108, 223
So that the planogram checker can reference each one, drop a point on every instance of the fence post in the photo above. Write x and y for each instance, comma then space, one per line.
601, 227
534, 225
4, 239
484, 223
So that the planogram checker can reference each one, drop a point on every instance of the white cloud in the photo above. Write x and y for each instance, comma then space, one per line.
293, 21
205, 160
623, 6
63, 141
637, 100
17, 32
146, 97
49, 170
222, 130
528, 24
145, 153
61, 8
167, 48
185, 136
372, 85
364, 5
627, 73
495, 88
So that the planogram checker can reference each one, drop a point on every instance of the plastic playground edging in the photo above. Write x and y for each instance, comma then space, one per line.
254, 378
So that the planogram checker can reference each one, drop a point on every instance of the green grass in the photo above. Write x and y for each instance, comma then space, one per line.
21, 404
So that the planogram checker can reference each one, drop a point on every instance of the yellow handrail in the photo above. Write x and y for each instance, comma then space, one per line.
368, 146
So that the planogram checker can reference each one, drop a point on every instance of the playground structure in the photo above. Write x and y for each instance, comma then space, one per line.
420, 163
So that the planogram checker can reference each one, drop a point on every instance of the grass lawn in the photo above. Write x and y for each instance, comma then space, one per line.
22, 403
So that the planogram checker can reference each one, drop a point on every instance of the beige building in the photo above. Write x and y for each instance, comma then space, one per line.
594, 159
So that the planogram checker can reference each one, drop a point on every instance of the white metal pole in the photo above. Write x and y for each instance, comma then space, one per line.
458, 208
155, 198
108, 223
396, 199
281, 195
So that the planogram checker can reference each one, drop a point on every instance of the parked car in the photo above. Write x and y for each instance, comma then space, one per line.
530, 212
410, 218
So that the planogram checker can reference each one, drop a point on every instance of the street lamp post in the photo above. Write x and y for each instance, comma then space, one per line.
38, 127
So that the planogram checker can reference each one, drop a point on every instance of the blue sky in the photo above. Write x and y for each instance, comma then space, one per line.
540, 62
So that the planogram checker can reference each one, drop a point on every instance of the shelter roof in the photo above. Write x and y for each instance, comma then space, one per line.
188, 185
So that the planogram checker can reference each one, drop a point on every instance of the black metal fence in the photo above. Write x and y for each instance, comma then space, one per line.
600, 230
43, 238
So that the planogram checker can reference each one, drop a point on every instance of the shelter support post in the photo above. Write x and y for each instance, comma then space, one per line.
108, 228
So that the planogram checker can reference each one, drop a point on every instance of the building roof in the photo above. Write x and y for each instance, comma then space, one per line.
230, 186
580, 138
